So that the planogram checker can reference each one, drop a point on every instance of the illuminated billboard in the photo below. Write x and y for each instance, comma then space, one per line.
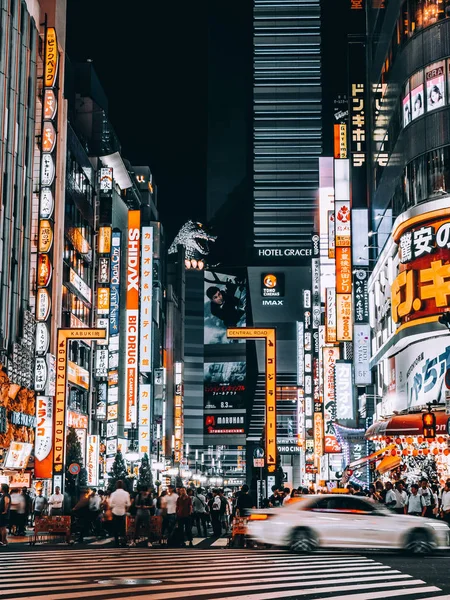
224, 306
132, 316
224, 385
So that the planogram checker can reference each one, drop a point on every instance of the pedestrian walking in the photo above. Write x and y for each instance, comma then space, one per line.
428, 497
143, 503
414, 503
94, 512
401, 496
119, 502
169, 505
445, 503
17, 511
390, 499
39, 504
200, 512
82, 517
184, 516
215, 505
5, 506
244, 502
56, 502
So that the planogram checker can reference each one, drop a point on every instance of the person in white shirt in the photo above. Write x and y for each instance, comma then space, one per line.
445, 503
119, 502
428, 498
414, 503
401, 497
169, 506
56, 502
390, 499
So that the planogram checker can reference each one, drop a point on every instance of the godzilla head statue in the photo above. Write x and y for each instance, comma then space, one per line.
195, 239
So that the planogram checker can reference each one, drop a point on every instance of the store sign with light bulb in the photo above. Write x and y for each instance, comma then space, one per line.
422, 287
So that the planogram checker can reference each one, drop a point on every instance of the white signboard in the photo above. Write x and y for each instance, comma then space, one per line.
419, 373
40, 374
44, 425
344, 390
144, 419
92, 460
361, 354
145, 332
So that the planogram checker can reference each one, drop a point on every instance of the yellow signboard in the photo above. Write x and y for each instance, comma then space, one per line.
269, 335
60, 407
51, 57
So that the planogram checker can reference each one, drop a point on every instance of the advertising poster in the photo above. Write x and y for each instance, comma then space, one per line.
224, 385
417, 102
434, 77
225, 304
419, 374
406, 110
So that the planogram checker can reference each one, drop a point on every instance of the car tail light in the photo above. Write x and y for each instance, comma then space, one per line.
259, 517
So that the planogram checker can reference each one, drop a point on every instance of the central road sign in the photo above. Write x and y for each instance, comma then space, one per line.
269, 335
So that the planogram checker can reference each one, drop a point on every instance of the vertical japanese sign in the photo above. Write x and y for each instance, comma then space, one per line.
344, 390
132, 316
44, 267
269, 335
315, 265
112, 389
59, 428
145, 345
144, 419
43, 442
330, 316
361, 294
179, 412
361, 354
92, 462
300, 354
344, 314
330, 356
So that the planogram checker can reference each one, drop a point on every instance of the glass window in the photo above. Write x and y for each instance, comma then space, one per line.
438, 172
417, 180
435, 90
431, 11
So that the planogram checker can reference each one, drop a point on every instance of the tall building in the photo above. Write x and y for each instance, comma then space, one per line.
408, 288
287, 130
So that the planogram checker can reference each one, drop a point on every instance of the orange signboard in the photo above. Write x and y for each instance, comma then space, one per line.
133, 253
344, 315
59, 427
45, 235
269, 335
343, 270
48, 137
422, 286
50, 104
104, 240
51, 57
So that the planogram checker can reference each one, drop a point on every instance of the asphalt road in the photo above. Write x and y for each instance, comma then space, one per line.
104, 573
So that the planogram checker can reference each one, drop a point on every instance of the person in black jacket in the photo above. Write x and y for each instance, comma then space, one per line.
224, 304
244, 502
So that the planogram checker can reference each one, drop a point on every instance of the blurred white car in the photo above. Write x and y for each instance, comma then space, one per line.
345, 521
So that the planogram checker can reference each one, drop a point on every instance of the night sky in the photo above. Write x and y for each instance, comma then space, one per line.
151, 58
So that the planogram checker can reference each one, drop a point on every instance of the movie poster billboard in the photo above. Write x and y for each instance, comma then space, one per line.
224, 385
225, 304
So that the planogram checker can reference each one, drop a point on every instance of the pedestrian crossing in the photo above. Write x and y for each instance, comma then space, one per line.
218, 573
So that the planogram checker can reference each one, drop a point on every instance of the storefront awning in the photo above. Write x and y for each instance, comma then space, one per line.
371, 457
406, 425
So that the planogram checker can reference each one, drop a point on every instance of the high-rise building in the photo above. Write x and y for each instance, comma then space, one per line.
287, 130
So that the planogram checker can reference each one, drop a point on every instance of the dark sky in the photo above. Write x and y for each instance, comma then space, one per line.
151, 58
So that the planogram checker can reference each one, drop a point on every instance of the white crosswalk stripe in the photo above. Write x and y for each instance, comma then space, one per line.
214, 573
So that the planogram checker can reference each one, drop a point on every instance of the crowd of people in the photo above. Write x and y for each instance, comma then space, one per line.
103, 513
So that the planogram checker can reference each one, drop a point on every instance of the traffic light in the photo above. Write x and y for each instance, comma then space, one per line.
444, 319
429, 425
